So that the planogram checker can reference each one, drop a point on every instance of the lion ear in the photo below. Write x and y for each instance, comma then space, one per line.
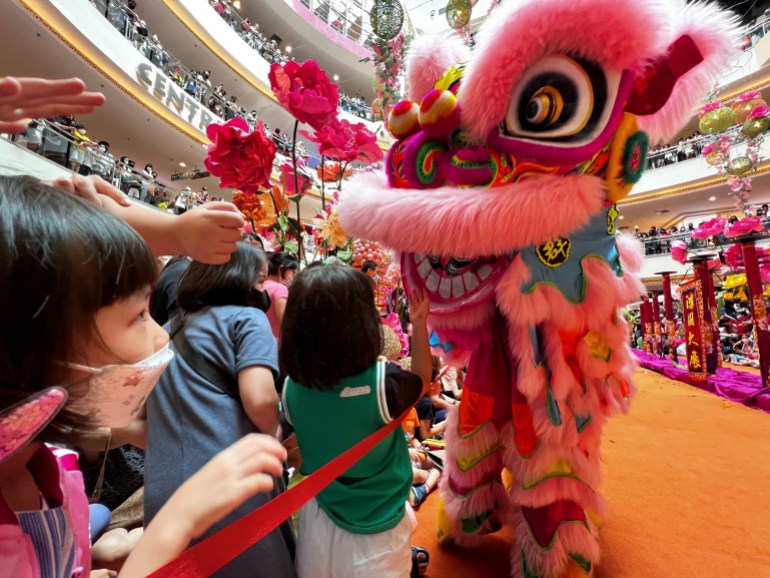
670, 86
654, 86
428, 58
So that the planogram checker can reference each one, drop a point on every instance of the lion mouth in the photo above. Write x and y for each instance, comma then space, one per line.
453, 281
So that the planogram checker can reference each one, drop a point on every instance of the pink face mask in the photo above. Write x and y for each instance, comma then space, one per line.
20, 423
116, 393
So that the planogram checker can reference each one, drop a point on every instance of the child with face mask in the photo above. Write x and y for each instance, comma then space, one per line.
219, 387
78, 350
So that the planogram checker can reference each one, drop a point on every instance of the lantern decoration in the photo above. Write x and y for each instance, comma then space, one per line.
387, 18
717, 120
751, 112
745, 103
458, 13
368, 251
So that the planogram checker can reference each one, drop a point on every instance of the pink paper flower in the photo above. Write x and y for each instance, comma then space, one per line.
708, 149
709, 107
734, 257
764, 273
241, 159
287, 179
679, 251
759, 111
305, 91
714, 264
749, 96
744, 226
343, 141
709, 228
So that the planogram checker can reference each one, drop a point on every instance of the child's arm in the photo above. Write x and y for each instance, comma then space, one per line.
422, 363
231, 477
207, 234
259, 398
427, 432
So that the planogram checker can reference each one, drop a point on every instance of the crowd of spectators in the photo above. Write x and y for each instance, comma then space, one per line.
269, 50
67, 142
684, 149
657, 240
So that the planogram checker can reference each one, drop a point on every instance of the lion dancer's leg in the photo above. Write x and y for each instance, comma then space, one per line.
474, 501
557, 421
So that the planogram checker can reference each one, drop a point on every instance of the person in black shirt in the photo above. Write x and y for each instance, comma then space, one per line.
163, 304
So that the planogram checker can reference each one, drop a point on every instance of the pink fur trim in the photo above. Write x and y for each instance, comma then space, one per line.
572, 537
715, 32
467, 329
630, 31
428, 58
484, 477
440, 221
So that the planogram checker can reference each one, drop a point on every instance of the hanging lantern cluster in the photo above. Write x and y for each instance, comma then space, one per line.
386, 18
458, 13
752, 114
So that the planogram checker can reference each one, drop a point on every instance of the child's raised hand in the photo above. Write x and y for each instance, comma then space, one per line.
209, 233
231, 477
23, 98
93, 189
419, 307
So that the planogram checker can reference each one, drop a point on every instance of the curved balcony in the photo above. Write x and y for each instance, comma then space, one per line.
229, 47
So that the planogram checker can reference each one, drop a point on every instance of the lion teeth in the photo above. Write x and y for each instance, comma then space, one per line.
432, 281
445, 288
485, 272
423, 268
470, 280
457, 287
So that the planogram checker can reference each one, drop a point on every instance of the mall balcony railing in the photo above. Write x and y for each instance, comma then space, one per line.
661, 244
251, 34
56, 142
135, 31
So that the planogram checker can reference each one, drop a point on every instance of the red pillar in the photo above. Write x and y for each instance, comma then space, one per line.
646, 317
658, 343
710, 339
758, 311
668, 306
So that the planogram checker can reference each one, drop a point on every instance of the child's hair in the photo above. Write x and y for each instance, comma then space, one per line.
61, 260
231, 283
331, 327
282, 261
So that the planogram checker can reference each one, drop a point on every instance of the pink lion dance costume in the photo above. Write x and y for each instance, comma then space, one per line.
500, 196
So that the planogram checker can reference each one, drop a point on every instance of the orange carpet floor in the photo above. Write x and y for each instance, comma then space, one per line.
687, 481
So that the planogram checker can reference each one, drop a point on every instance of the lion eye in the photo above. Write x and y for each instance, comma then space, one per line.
558, 98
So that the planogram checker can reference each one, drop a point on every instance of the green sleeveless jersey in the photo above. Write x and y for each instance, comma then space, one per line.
370, 497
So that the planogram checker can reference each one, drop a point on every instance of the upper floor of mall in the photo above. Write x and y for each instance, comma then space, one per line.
172, 67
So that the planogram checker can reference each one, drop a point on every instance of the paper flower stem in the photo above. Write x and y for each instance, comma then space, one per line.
296, 189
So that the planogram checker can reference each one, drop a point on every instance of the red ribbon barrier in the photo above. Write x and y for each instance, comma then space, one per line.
209, 555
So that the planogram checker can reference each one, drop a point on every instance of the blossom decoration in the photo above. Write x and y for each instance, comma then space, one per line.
305, 91
252, 208
343, 141
759, 111
679, 251
744, 226
709, 107
242, 159
709, 228
287, 179
749, 96
329, 230
733, 257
